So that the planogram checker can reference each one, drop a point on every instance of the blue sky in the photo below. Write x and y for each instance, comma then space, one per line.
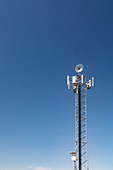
41, 41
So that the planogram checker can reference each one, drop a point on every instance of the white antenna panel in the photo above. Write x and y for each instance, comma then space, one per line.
69, 87
92, 81
68, 82
74, 79
82, 79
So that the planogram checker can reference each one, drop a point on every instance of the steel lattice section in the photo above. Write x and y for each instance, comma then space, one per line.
83, 131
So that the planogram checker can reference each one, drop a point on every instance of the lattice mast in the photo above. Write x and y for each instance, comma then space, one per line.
80, 86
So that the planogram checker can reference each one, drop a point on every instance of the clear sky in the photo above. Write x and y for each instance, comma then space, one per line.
41, 41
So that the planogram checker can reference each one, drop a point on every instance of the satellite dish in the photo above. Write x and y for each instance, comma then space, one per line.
79, 68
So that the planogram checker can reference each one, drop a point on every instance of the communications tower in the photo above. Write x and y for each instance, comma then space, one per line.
80, 86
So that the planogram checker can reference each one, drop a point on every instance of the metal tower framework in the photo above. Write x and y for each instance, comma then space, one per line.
80, 87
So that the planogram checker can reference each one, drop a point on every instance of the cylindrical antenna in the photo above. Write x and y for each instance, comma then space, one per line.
92, 81
82, 79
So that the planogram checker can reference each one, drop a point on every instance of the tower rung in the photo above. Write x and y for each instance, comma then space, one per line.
83, 113
83, 125
84, 153
83, 131
83, 144
84, 137
84, 161
83, 118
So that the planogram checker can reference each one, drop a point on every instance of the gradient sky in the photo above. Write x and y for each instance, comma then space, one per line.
41, 41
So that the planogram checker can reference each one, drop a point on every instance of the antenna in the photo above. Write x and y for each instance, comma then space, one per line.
92, 81
80, 86
68, 82
79, 68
